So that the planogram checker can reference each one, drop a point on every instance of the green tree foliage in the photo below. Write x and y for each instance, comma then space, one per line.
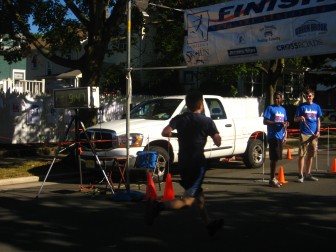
63, 26
223, 80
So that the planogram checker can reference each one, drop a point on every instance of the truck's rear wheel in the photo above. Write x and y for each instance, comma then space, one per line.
254, 156
162, 164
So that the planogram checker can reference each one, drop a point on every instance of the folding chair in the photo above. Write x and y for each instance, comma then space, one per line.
148, 162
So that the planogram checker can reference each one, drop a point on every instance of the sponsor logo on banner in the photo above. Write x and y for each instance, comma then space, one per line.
311, 28
198, 24
198, 55
240, 38
268, 33
242, 51
296, 45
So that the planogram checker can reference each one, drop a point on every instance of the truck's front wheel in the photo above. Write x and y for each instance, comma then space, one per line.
254, 156
162, 162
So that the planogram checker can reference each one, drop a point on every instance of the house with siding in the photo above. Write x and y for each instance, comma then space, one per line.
11, 74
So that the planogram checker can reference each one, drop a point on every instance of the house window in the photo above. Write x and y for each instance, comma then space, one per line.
49, 68
122, 45
34, 62
18, 76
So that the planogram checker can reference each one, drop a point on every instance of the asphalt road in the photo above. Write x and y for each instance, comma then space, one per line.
257, 217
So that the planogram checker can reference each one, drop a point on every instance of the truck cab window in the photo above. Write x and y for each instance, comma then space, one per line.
216, 109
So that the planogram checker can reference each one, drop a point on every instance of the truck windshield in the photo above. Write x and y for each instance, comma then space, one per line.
157, 109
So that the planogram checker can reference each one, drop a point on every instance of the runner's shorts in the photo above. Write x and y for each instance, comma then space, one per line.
275, 149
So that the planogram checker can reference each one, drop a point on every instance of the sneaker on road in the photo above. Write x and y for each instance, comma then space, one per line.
215, 226
310, 178
152, 211
274, 183
300, 179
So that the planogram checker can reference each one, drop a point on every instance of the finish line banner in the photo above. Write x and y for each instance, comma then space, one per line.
247, 31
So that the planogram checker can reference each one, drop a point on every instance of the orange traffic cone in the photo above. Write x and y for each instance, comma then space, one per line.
281, 176
333, 168
289, 155
169, 190
150, 189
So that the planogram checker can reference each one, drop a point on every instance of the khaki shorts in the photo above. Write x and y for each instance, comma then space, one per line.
308, 145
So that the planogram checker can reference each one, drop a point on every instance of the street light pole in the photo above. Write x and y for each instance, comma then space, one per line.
142, 5
128, 195
129, 91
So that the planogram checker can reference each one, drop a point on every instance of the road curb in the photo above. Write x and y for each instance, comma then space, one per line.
12, 181
32, 179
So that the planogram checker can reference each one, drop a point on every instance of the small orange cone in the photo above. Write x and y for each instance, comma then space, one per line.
333, 168
289, 155
151, 193
169, 190
281, 176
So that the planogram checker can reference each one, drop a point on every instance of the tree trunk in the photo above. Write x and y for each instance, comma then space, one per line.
273, 74
90, 78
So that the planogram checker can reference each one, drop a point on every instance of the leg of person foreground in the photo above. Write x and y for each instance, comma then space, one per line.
154, 208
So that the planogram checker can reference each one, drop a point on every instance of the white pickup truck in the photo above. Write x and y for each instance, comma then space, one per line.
237, 119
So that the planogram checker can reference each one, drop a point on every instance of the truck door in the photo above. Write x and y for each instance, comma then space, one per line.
225, 127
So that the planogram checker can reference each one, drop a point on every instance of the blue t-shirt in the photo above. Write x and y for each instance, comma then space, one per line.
277, 114
311, 112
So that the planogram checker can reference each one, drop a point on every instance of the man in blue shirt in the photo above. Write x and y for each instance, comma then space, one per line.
275, 117
308, 114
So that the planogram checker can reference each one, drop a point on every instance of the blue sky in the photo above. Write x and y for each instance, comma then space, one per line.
33, 28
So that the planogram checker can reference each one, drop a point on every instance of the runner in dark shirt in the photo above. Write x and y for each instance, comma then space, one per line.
192, 128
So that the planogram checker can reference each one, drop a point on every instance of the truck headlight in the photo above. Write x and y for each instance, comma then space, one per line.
135, 140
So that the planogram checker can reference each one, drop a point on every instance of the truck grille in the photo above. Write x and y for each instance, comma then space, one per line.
100, 139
